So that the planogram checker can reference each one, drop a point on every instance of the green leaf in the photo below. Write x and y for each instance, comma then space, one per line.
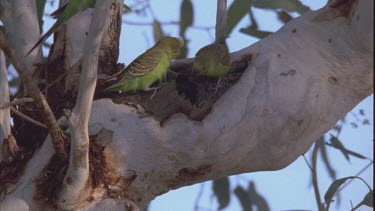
288, 5
255, 32
355, 154
221, 188
354, 125
254, 23
297, 210
332, 190
186, 16
40, 5
244, 198
127, 9
327, 163
237, 10
157, 30
368, 200
259, 201
365, 122
336, 143
336, 185
337, 128
284, 16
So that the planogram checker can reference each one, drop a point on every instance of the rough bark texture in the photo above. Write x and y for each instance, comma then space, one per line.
300, 81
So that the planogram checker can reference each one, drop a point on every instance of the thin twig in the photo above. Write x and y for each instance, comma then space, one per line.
138, 3
307, 163
53, 82
355, 116
360, 172
151, 10
40, 102
165, 23
196, 206
23, 116
17, 102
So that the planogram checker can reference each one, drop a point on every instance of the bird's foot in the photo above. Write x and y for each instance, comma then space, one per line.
173, 73
218, 85
155, 89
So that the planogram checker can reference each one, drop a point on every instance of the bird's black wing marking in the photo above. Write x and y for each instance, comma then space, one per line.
144, 63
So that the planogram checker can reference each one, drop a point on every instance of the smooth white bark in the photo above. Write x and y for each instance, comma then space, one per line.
21, 22
4, 99
301, 81
76, 178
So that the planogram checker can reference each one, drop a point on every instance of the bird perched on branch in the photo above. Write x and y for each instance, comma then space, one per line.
63, 14
149, 67
213, 61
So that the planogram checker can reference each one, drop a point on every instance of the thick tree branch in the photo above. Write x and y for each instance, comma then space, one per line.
76, 178
34, 92
301, 80
296, 88
21, 22
26, 118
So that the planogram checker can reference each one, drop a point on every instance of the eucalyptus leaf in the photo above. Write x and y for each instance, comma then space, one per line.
186, 16
287, 5
40, 5
237, 10
244, 198
221, 189
157, 30
259, 201
255, 32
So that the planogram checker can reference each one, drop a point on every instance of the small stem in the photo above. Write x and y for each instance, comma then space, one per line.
315, 175
40, 102
307, 163
165, 23
17, 102
196, 206
23, 116
360, 172
221, 20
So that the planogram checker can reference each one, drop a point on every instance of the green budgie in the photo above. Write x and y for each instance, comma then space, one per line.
213, 61
149, 67
63, 14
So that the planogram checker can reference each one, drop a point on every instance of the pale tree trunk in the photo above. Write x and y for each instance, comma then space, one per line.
299, 82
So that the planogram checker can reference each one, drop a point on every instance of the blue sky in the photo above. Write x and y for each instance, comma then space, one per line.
286, 189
